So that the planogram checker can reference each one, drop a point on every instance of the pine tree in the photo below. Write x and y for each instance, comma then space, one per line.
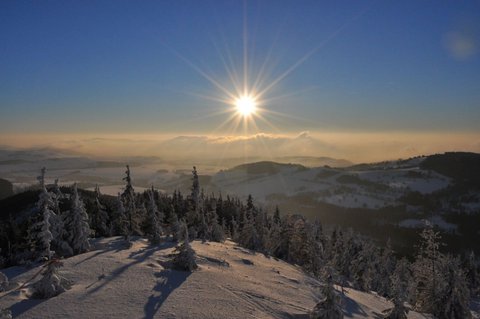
57, 227
100, 216
76, 224
234, 230
363, 264
426, 270
155, 229
185, 259
120, 220
195, 198
248, 236
216, 232
57, 196
399, 289
60, 244
328, 306
39, 232
304, 250
52, 283
276, 216
203, 232
274, 238
454, 293
174, 225
384, 270
128, 197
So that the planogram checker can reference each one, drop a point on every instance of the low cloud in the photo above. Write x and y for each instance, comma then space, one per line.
355, 147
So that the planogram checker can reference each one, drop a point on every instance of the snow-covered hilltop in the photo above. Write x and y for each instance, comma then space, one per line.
113, 281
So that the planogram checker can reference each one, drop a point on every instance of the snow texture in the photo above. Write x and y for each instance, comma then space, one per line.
113, 282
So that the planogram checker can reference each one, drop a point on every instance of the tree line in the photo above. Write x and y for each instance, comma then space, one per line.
61, 224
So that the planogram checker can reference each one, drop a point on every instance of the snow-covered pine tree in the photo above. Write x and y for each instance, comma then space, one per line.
202, 229
99, 216
39, 233
128, 197
76, 224
52, 283
185, 259
234, 230
328, 307
273, 237
174, 225
384, 269
57, 196
363, 264
57, 228
399, 290
61, 246
120, 220
154, 229
454, 299
248, 235
260, 220
215, 230
195, 191
304, 250
426, 271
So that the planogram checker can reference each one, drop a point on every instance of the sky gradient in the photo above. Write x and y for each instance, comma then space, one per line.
155, 67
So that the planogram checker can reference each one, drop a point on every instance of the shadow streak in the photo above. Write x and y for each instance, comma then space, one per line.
169, 280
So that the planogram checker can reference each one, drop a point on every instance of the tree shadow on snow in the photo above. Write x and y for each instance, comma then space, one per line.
169, 280
350, 308
117, 245
137, 256
24, 306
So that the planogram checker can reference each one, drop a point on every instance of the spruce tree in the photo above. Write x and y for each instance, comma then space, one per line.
154, 229
195, 191
100, 217
76, 224
426, 270
39, 232
185, 259
128, 197
454, 293
328, 307
52, 283
174, 225
399, 290
120, 219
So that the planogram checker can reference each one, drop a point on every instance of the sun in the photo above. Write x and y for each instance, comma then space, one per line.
246, 105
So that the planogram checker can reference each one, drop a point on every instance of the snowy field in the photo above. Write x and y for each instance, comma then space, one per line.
231, 282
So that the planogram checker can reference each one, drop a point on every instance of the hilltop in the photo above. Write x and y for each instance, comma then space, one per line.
112, 281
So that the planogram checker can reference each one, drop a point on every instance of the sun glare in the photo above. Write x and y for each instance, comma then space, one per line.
246, 105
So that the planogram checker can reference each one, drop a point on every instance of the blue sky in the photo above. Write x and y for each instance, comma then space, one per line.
133, 67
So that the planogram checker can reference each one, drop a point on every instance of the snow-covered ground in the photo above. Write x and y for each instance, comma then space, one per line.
434, 220
372, 188
231, 282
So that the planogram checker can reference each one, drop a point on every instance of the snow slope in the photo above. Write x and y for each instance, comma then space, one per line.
232, 282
